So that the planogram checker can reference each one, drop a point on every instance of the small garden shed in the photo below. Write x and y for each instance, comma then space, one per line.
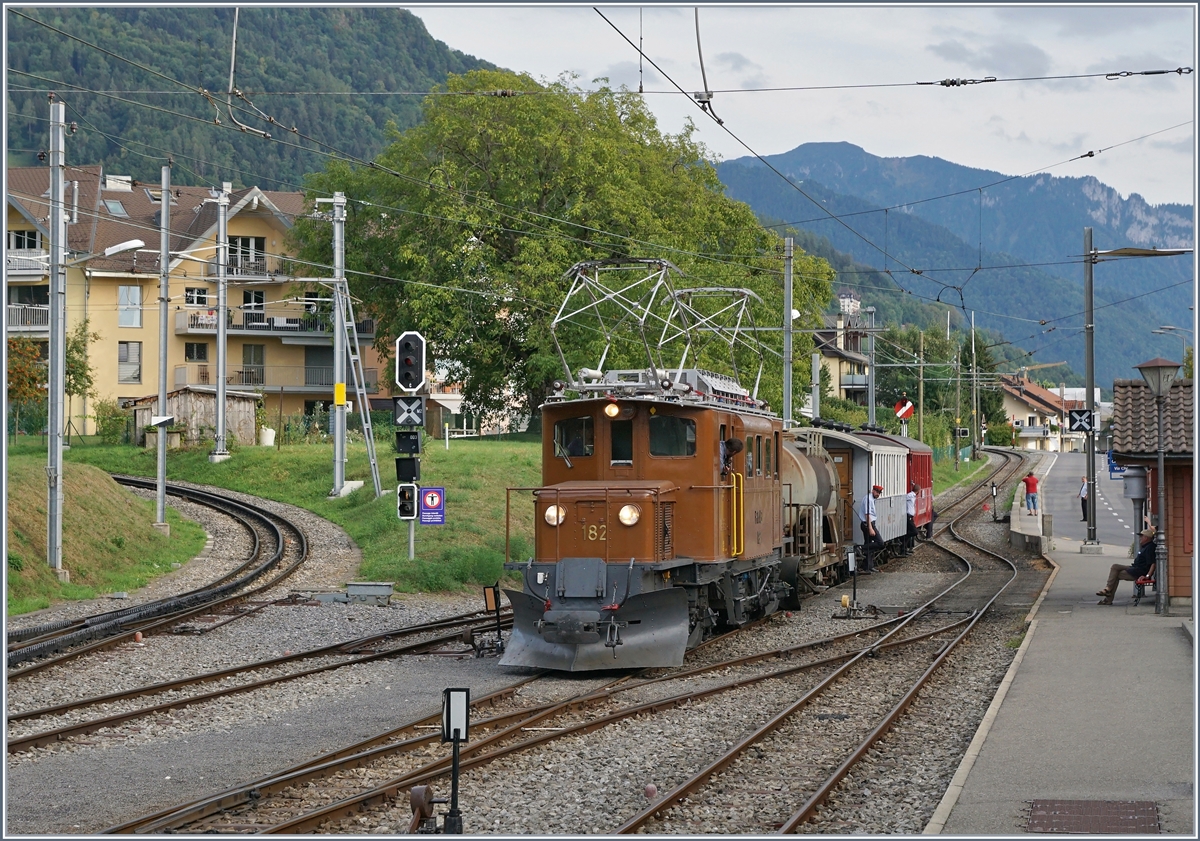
195, 410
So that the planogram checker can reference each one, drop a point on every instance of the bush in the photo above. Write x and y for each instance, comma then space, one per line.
111, 421
15, 563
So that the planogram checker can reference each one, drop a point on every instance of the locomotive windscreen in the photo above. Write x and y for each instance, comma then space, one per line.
574, 436
672, 436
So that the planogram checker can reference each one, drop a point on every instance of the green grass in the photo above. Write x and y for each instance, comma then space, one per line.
467, 551
109, 541
945, 476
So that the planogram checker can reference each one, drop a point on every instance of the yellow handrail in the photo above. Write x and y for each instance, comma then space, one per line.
739, 515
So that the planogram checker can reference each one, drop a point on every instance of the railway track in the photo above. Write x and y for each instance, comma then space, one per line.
369, 782
278, 548
120, 708
347, 797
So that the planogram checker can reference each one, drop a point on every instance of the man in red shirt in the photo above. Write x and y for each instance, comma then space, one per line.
1031, 483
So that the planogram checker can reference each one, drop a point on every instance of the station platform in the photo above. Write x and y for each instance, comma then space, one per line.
1092, 730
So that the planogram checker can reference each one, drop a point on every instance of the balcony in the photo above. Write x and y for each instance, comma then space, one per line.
280, 322
27, 318
854, 381
239, 269
294, 379
26, 262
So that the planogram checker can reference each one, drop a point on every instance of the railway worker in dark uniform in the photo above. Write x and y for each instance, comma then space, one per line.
729, 449
872, 542
910, 509
1140, 566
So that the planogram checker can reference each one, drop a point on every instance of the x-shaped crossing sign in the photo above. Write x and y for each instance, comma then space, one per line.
409, 411
1080, 420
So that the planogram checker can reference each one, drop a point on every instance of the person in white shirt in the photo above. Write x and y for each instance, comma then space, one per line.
1083, 498
872, 542
910, 508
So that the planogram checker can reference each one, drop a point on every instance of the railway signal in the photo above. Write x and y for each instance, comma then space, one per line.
406, 501
410, 361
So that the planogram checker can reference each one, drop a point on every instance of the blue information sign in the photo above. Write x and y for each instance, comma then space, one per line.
433, 506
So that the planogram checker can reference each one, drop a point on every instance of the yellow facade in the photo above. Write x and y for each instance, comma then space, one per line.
277, 344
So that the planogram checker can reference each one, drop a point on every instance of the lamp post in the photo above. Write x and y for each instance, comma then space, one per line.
1170, 330
1159, 373
1090, 257
57, 382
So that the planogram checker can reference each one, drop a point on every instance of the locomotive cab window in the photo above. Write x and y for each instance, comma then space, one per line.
749, 456
671, 436
621, 433
574, 436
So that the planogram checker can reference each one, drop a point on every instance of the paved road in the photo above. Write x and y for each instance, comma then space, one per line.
1059, 497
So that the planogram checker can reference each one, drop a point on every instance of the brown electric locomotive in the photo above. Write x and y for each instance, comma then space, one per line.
651, 532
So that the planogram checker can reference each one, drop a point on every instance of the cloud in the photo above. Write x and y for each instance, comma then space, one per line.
952, 51
1092, 21
1006, 57
626, 73
735, 62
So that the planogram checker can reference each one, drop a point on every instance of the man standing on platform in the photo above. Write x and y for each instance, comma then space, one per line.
1031, 492
1141, 566
872, 542
1083, 498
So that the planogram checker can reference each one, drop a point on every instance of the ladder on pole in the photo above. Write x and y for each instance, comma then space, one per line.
360, 386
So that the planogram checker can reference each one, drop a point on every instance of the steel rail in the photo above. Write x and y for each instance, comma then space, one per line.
91, 726
231, 508
476, 755
349, 647
808, 809
700, 779
214, 598
173, 816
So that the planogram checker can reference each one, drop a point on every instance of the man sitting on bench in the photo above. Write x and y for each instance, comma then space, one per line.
1140, 566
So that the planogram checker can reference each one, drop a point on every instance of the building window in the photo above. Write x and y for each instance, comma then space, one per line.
253, 364
248, 255
115, 207
252, 308
129, 362
24, 239
195, 297
1032, 421
129, 306
195, 351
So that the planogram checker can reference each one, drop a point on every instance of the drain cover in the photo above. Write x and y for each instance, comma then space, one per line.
1094, 816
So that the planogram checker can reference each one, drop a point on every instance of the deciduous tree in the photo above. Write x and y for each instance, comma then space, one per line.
467, 223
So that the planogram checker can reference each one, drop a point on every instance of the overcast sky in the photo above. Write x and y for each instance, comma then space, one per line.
1010, 127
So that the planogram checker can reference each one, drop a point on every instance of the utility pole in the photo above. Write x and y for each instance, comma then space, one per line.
164, 291
220, 453
339, 344
921, 390
58, 339
787, 334
974, 394
1091, 546
870, 365
957, 402
816, 385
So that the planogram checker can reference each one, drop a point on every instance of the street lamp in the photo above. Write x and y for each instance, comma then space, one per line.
1183, 342
1159, 373
57, 386
1092, 256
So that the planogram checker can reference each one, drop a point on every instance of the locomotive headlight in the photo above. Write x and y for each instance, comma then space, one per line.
555, 514
629, 514
612, 410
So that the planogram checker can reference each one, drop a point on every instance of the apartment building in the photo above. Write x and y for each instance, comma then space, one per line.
279, 327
